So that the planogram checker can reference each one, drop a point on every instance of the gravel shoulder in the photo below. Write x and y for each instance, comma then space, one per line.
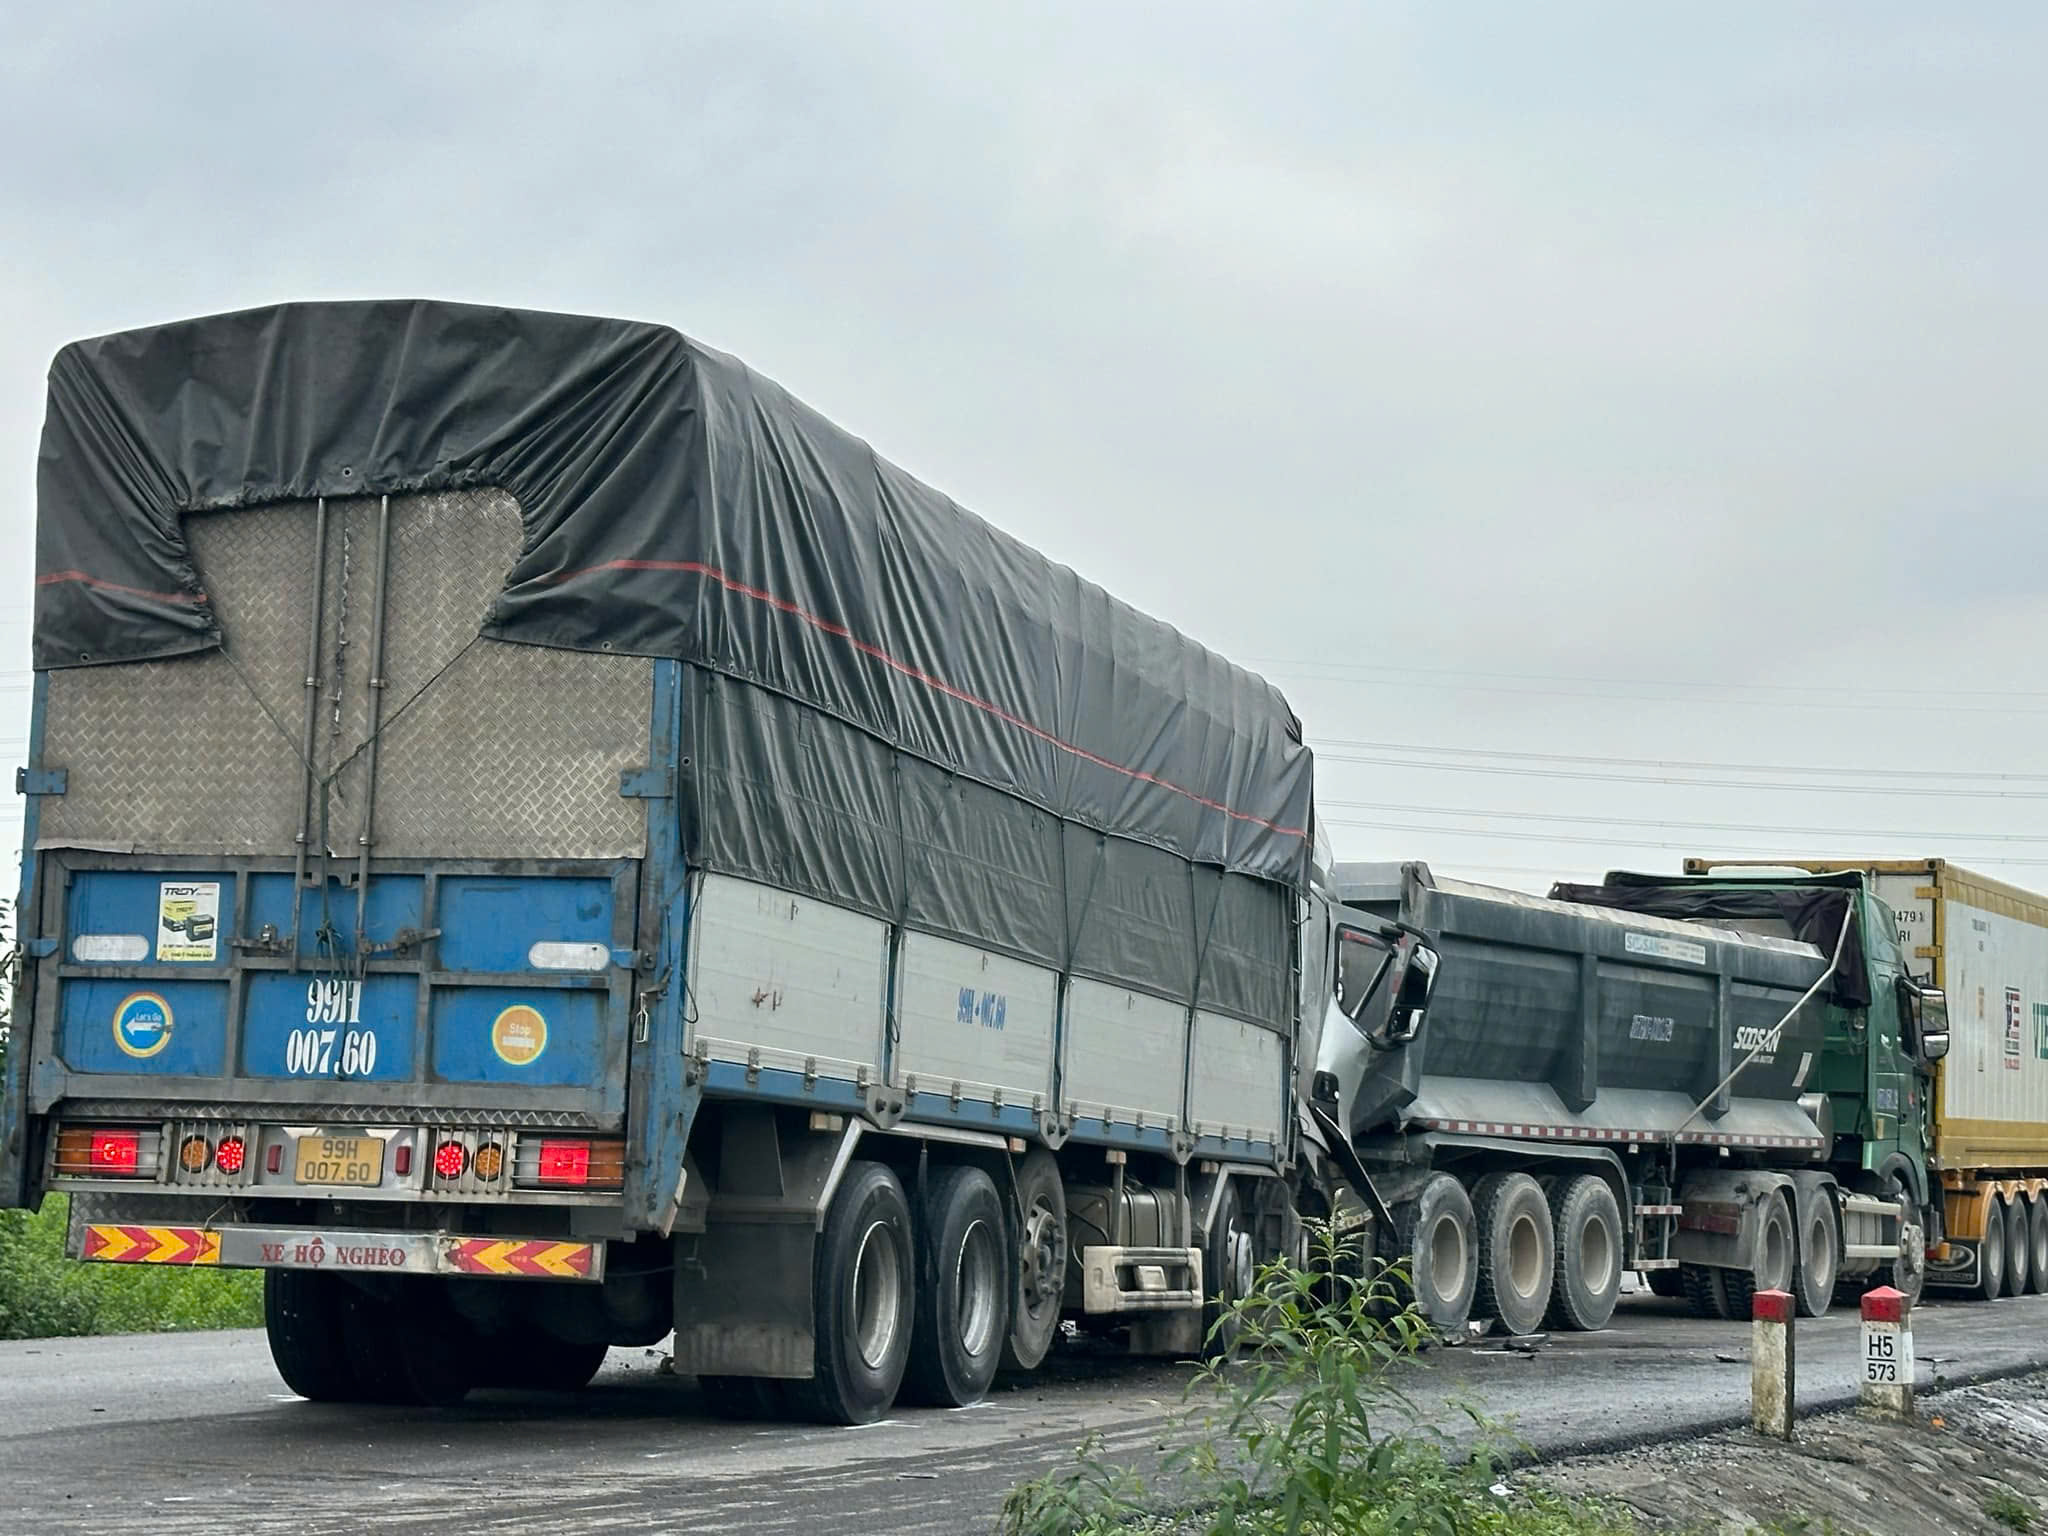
1975, 1463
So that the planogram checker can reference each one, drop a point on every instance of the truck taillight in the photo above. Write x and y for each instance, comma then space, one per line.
450, 1158
229, 1156
562, 1162
107, 1152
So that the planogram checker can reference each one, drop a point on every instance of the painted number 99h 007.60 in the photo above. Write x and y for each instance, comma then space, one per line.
332, 1051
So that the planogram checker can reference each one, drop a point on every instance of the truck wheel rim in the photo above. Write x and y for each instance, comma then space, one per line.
877, 1295
1525, 1256
1820, 1248
1039, 1254
1596, 1257
1447, 1257
975, 1280
1776, 1267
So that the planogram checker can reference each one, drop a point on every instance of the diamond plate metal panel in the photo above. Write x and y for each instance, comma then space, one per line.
487, 750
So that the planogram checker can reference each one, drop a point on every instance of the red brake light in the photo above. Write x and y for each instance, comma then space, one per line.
449, 1160
115, 1151
563, 1162
229, 1156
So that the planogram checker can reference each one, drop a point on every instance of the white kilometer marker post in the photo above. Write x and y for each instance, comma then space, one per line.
1887, 1354
1770, 1364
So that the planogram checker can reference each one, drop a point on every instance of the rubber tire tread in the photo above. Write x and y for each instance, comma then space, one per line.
844, 1389
2037, 1236
1990, 1284
1229, 1211
1667, 1283
1703, 1291
1802, 1291
302, 1317
1028, 1340
1740, 1285
1572, 1305
1491, 1197
2019, 1273
939, 1373
536, 1362
1442, 1191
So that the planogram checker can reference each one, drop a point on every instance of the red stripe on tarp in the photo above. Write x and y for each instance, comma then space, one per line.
940, 685
55, 578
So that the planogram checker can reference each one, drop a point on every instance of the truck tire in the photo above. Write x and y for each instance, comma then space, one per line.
863, 1300
1041, 1253
1906, 1275
1587, 1283
743, 1399
1667, 1283
408, 1351
1229, 1270
2037, 1239
532, 1361
1820, 1257
964, 1267
302, 1316
1991, 1252
1434, 1236
1517, 1251
1776, 1260
1705, 1290
2018, 1249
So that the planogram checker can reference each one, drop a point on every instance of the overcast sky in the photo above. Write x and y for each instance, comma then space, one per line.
1510, 383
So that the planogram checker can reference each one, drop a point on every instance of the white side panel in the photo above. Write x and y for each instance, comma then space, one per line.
980, 1020
793, 978
1915, 914
1997, 973
1235, 1080
1125, 1055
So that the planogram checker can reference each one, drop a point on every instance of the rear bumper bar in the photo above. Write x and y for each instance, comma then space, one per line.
340, 1249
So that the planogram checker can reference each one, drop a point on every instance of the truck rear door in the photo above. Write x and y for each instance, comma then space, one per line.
357, 867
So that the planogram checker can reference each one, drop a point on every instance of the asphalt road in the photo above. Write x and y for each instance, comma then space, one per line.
195, 1433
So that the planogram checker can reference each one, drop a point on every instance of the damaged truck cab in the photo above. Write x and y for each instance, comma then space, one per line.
1712, 1082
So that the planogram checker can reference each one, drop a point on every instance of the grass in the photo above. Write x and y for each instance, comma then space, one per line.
2009, 1510
1307, 1430
44, 1295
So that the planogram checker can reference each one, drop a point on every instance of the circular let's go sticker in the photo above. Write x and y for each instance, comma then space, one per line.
142, 1024
519, 1035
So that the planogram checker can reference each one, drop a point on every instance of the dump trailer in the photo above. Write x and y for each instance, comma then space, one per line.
1985, 1124
536, 840
1599, 1087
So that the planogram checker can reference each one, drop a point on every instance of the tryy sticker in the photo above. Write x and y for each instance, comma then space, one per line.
142, 1024
188, 922
519, 1035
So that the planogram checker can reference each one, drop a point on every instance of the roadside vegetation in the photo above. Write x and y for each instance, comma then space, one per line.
1306, 1429
45, 1295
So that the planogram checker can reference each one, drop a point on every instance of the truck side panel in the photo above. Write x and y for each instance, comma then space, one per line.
1994, 1084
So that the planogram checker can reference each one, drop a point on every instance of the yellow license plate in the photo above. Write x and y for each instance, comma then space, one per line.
339, 1160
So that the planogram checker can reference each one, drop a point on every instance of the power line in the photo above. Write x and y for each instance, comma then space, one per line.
1688, 782
1697, 826
1586, 842
1358, 667
1938, 774
1583, 842
1641, 698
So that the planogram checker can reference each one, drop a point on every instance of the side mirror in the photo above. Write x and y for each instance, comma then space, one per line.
1418, 983
1932, 1017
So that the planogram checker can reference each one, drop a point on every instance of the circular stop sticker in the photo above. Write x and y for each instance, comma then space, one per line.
519, 1035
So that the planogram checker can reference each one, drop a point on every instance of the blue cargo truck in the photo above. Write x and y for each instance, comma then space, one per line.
537, 840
